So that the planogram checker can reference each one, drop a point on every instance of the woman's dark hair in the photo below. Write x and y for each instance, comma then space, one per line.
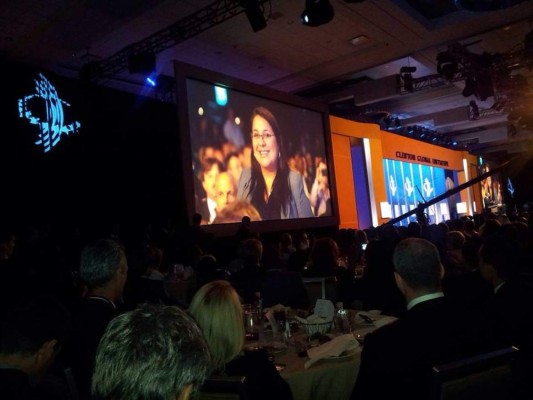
280, 194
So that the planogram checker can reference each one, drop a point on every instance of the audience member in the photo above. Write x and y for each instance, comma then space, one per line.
286, 248
218, 311
31, 335
247, 281
153, 352
453, 261
324, 258
103, 269
377, 287
397, 359
510, 310
469, 229
469, 290
148, 286
299, 258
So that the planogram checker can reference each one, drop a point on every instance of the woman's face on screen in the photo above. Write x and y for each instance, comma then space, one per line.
265, 144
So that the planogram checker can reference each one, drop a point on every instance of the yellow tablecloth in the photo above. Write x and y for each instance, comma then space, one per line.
326, 380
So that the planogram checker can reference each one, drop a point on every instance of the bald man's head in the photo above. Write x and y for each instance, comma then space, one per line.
225, 189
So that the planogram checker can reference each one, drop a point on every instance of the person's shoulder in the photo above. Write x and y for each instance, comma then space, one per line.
295, 177
244, 182
246, 174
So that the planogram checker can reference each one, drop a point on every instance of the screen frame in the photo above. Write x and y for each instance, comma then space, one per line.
184, 72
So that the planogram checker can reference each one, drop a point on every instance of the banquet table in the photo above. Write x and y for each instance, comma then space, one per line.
328, 379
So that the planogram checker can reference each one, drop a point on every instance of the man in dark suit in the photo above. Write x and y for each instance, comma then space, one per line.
510, 311
396, 360
103, 269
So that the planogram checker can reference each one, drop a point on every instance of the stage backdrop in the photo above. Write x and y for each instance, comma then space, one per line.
74, 152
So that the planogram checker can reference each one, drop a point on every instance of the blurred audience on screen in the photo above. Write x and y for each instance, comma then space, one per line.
226, 191
233, 131
234, 165
236, 211
206, 204
320, 195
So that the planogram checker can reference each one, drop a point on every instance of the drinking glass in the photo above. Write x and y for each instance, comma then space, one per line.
252, 321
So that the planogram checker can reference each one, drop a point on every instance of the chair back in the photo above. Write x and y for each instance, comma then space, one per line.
224, 388
486, 376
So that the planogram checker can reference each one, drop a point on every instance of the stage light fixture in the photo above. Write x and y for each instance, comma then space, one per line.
484, 86
142, 63
407, 70
255, 14
317, 12
474, 110
408, 82
470, 87
447, 65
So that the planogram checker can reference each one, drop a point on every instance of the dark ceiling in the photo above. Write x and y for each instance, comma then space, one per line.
352, 63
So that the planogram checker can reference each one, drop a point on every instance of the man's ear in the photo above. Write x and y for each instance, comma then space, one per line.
399, 281
442, 272
185, 393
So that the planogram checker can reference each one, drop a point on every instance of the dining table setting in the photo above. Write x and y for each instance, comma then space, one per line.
317, 354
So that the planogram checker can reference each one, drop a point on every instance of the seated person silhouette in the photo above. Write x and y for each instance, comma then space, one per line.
31, 335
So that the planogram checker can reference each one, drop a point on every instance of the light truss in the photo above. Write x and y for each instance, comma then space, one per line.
207, 17
427, 82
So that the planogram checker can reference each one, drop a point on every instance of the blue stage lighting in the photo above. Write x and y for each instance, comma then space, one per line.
151, 80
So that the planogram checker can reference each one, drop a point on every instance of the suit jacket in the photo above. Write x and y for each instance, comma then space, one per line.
90, 319
511, 316
299, 205
396, 360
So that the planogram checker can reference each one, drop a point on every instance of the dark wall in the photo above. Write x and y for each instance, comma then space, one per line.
122, 165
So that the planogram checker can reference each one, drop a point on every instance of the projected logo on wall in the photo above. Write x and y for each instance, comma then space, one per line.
409, 184
51, 122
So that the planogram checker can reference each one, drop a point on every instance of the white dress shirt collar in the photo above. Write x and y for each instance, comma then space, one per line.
421, 299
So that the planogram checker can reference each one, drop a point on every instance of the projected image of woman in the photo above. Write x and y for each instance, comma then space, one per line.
269, 185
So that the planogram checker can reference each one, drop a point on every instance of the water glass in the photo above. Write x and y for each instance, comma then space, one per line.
252, 321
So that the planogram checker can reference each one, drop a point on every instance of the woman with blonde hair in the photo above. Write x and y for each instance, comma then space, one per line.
218, 312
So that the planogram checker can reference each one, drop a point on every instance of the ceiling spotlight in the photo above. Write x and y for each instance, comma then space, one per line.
447, 65
255, 14
317, 12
